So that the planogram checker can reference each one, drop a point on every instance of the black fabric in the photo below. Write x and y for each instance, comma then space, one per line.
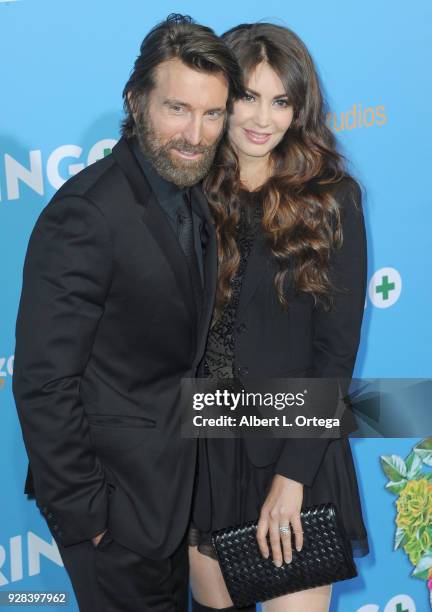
303, 339
107, 328
219, 359
325, 558
229, 490
171, 199
235, 475
186, 239
197, 607
112, 578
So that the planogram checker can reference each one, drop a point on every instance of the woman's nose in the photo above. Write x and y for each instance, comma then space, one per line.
262, 115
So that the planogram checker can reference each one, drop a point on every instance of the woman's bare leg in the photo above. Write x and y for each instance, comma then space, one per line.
208, 588
206, 581
312, 600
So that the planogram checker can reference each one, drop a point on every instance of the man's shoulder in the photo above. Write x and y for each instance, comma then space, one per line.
100, 179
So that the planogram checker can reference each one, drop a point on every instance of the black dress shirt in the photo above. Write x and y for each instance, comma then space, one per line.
170, 198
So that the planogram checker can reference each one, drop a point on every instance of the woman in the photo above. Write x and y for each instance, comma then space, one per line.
291, 290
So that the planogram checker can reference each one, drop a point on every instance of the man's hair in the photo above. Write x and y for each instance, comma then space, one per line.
195, 45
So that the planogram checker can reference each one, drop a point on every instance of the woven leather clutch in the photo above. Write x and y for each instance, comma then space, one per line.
326, 557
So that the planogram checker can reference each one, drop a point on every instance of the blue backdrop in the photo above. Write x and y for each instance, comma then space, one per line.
62, 69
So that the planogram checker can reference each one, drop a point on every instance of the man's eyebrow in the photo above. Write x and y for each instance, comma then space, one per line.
175, 102
255, 93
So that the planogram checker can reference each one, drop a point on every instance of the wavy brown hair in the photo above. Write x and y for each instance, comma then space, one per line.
301, 218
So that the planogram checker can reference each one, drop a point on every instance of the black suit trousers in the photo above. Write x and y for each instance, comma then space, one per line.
112, 578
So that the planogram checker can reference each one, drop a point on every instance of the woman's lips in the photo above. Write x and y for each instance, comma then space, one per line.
257, 137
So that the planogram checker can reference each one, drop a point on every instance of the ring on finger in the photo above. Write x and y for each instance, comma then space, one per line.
285, 529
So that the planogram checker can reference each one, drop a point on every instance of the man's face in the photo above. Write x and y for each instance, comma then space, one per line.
181, 121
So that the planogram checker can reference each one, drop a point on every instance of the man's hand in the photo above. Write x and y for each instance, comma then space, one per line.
98, 538
281, 509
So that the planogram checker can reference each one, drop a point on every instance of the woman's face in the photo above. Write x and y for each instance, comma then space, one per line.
260, 119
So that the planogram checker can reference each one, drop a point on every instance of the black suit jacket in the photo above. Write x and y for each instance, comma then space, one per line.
303, 341
107, 327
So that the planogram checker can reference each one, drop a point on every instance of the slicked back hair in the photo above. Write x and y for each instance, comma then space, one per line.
197, 46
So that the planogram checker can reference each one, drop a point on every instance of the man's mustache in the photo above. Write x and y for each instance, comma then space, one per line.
187, 147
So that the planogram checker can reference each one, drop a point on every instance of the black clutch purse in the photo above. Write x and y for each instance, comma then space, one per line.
326, 557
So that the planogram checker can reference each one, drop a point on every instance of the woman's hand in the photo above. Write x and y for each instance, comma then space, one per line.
281, 509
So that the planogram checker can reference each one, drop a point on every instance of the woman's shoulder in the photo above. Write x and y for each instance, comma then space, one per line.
348, 193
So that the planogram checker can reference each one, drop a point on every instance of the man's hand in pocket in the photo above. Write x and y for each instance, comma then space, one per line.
98, 538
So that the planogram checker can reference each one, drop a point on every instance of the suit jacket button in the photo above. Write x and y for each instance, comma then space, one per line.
241, 328
56, 527
243, 371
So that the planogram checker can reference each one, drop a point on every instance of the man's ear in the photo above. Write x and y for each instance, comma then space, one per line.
136, 103
132, 104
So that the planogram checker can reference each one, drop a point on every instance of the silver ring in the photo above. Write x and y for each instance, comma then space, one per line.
285, 529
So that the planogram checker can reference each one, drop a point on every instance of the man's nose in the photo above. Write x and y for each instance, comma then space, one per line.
193, 131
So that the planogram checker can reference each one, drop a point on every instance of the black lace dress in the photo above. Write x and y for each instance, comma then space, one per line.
229, 490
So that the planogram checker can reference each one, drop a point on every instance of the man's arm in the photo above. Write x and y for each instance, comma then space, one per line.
67, 273
336, 332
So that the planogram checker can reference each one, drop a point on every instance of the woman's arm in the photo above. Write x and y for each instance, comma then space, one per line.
336, 336
336, 333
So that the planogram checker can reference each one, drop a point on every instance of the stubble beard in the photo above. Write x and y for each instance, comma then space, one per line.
183, 173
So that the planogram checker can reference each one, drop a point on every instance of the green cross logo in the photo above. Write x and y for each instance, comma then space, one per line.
100, 150
385, 289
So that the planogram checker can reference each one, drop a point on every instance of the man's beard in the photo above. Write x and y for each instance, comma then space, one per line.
181, 172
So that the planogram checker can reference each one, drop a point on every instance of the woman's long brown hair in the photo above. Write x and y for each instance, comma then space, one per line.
301, 219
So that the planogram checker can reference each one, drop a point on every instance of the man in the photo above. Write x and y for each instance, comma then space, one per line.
119, 284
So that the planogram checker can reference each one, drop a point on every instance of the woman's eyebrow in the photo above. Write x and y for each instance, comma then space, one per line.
255, 93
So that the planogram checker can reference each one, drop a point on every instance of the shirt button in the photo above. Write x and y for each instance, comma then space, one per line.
241, 328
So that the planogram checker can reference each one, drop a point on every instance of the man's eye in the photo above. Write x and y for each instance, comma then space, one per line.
214, 114
176, 108
248, 98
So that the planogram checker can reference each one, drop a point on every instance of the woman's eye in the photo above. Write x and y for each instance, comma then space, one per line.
282, 103
248, 98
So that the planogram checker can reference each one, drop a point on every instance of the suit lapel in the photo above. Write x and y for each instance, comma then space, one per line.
155, 220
